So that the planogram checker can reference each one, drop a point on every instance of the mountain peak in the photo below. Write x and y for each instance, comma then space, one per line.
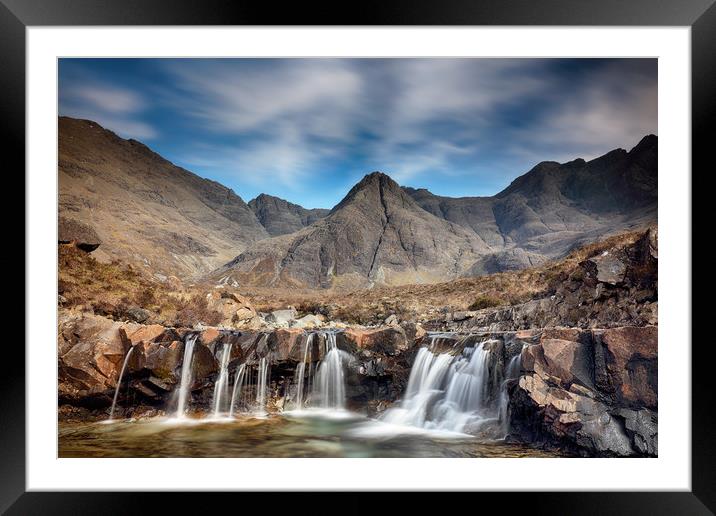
377, 177
649, 141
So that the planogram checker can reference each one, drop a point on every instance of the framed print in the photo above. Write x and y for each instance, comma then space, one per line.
423, 251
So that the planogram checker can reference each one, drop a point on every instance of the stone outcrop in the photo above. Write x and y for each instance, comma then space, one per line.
92, 350
72, 231
615, 288
590, 391
233, 307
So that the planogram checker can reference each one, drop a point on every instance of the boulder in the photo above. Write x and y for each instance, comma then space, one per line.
307, 321
91, 353
209, 336
568, 360
203, 365
233, 307
72, 231
150, 333
642, 425
607, 267
388, 341
138, 314
626, 364
286, 344
162, 359
281, 317
391, 320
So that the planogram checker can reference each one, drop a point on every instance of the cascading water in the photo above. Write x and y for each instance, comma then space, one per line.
221, 388
511, 373
261, 387
119, 383
329, 388
446, 391
301, 372
186, 378
239, 381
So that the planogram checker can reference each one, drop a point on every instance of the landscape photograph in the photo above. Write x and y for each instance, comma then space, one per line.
357, 257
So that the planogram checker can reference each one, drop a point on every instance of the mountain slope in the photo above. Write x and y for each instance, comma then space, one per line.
555, 207
376, 234
281, 217
383, 234
146, 210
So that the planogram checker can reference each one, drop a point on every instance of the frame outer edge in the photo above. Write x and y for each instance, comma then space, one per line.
12, 135
703, 118
12, 82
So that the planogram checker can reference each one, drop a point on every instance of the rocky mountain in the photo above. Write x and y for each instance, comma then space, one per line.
281, 217
381, 233
555, 207
144, 209
376, 234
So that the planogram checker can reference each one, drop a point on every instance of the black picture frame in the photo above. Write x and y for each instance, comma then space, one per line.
17, 15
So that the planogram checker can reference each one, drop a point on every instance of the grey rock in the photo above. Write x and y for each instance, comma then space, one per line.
610, 269
643, 425
391, 319
281, 317
281, 217
307, 321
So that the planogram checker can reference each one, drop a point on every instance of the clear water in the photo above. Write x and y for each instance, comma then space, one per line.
304, 434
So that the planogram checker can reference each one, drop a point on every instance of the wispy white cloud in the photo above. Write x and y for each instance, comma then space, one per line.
113, 107
612, 107
280, 124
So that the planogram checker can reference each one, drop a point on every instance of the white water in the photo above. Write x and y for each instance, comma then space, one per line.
186, 379
221, 388
261, 386
301, 370
239, 380
329, 389
512, 372
446, 392
119, 383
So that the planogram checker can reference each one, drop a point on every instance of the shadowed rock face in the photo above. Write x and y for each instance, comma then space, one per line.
376, 234
143, 208
281, 217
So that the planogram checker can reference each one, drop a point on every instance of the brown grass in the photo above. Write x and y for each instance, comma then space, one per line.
427, 300
114, 288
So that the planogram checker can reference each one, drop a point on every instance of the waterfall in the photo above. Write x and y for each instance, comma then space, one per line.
221, 388
262, 384
119, 382
511, 373
446, 391
301, 370
239, 381
329, 388
186, 379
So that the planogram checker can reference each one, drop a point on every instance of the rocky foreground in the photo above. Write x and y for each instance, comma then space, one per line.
587, 383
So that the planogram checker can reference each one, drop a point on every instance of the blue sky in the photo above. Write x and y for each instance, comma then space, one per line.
306, 130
